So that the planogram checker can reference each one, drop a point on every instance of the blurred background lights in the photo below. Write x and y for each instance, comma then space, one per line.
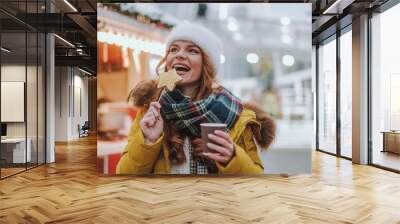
288, 60
252, 58
221, 59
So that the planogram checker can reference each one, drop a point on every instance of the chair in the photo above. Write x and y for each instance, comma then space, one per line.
84, 130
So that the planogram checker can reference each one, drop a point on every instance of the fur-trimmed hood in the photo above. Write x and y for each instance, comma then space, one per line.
146, 91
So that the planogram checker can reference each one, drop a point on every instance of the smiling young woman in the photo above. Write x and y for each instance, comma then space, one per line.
166, 138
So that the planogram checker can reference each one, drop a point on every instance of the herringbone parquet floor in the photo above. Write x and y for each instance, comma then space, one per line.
70, 191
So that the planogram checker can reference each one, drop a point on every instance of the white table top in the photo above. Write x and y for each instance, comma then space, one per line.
14, 140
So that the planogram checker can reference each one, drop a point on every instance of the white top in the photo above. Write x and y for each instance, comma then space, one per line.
185, 167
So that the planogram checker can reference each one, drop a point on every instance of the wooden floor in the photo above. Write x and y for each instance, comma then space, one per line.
10, 171
70, 191
387, 159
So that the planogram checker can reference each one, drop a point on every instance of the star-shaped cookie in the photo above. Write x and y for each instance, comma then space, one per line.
169, 79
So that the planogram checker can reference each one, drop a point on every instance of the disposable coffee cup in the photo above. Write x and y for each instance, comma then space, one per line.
209, 128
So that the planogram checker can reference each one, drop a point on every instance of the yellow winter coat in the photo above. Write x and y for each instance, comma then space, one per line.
252, 125
140, 158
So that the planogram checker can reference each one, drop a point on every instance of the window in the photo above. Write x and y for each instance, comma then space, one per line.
346, 94
385, 89
327, 96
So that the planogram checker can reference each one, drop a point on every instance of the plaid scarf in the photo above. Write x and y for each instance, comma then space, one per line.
187, 115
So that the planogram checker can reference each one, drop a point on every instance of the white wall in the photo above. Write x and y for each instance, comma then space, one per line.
67, 115
82, 83
61, 103
17, 73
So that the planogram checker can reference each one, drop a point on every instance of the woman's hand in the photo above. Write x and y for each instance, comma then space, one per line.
222, 146
152, 124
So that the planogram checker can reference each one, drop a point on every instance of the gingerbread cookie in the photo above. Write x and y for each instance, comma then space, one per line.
168, 79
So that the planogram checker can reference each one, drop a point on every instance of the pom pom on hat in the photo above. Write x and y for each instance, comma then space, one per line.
201, 36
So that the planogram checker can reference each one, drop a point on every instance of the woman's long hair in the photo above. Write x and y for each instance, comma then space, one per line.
174, 138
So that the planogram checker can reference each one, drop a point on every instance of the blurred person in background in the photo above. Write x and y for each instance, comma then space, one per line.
165, 137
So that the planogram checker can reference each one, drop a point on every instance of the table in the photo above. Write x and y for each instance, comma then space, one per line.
391, 141
13, 150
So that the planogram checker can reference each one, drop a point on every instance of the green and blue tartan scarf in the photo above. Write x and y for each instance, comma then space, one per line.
187, 115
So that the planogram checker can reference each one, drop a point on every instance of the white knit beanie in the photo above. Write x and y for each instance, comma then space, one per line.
201, 36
